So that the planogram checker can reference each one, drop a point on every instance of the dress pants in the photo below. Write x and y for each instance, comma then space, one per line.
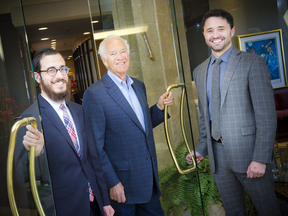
231, 187
151, 208
94, 208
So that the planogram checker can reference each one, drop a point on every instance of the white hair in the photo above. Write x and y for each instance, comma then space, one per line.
102, 51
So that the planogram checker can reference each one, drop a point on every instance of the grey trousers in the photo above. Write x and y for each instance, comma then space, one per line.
231, 187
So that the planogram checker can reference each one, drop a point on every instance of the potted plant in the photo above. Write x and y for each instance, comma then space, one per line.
181, 192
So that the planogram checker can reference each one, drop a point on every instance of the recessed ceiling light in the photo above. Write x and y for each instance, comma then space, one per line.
121, 32
42, 28
70, 56
53, 40
44, 38
86, 33
96, 21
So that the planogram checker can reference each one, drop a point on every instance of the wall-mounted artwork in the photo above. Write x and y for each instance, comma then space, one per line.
269, 45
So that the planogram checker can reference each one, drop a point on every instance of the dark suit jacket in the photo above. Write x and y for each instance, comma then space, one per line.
69, 174
127, 152
247, 113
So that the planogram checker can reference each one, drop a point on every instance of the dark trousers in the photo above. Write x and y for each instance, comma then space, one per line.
151, 208
94, 208
231, 187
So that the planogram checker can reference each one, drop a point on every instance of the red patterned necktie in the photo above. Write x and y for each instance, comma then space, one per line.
71, 131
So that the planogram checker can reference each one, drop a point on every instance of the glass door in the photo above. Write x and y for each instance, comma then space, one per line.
20, 194
159, 58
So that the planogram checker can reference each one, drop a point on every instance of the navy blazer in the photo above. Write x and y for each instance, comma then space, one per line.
69, 174
127, 152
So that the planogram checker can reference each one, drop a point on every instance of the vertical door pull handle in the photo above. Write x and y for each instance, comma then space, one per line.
193, 168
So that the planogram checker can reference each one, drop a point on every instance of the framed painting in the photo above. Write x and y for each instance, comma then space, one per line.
269, 45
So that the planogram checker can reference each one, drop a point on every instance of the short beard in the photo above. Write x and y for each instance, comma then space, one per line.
58, 97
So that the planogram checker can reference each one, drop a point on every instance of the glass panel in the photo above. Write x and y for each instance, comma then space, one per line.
157, 59
92, 60
79, 74
83, 66
86, 58
250, 18
17, 93
198, 182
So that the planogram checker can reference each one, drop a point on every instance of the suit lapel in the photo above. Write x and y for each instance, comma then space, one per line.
204, 90
119, 98
230, 69
143, 102
50, 113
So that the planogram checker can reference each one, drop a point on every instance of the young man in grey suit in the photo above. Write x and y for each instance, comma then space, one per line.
122, 126
238, 119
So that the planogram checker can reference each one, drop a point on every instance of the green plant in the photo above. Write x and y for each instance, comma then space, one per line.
181, 192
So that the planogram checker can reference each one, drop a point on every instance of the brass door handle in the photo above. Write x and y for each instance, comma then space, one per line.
10, 158
177, 85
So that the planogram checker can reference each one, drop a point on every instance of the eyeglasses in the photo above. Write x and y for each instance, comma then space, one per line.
52, 71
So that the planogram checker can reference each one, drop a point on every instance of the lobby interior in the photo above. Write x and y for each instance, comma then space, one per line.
166, 45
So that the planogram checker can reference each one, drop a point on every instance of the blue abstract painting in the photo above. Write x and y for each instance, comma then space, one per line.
268, 50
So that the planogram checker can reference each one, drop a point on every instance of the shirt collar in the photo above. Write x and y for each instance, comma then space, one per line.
225, 56
54, 104
118, 81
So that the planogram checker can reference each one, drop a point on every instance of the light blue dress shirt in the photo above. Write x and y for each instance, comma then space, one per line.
225, 57
130, 95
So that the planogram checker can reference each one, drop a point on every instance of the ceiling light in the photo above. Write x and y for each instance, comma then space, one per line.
42, 28
121, 32
53, 40
70, 56
44, 38
86, 33
95, 21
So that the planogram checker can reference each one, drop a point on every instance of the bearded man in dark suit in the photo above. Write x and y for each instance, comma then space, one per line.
78, 182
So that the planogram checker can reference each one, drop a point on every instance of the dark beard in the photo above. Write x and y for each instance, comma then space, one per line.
58, 97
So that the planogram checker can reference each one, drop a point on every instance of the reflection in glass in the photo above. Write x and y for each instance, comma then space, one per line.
17, 92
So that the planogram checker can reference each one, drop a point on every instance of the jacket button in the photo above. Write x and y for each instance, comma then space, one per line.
86, 190
148, 158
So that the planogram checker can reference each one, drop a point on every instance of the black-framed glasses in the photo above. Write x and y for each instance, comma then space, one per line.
52, 71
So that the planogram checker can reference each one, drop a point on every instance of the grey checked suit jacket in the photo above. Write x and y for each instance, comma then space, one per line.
247, 113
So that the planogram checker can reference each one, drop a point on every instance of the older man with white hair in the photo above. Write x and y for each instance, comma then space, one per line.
122, 126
